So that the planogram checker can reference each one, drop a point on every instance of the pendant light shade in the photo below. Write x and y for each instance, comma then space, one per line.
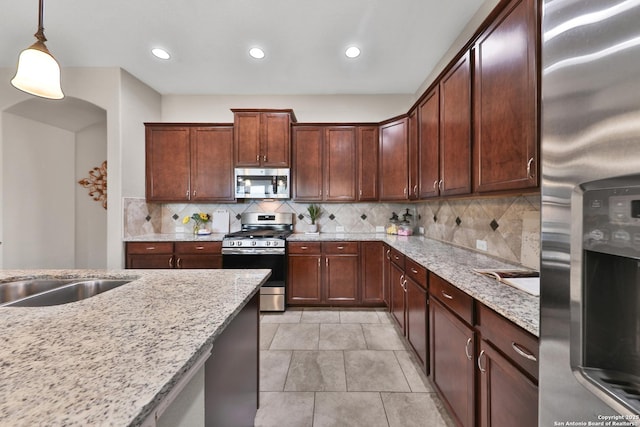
38, 72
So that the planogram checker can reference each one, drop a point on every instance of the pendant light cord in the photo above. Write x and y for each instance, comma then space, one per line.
40, 33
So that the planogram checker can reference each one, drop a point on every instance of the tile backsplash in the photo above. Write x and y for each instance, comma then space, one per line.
510, 226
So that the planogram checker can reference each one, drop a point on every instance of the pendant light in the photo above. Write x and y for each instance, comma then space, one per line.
38, 72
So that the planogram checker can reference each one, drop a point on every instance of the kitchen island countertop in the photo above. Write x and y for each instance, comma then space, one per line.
110, 359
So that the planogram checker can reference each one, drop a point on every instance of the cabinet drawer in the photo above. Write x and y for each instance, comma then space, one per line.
397, 258
335, 248
150, 247
303, 247
417, 272
514, 342
198, 247
453, 298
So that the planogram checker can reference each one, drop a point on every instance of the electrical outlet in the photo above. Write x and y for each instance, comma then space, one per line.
481, 245
339, 229
379, 228
420, 230
180, 229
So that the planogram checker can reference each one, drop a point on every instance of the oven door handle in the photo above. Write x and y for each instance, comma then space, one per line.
253, 251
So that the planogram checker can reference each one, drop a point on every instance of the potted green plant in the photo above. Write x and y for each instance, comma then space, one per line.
314, 213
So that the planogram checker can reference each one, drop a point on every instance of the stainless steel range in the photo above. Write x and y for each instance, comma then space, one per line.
261, 243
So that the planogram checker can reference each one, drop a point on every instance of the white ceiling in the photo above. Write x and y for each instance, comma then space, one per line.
304, 41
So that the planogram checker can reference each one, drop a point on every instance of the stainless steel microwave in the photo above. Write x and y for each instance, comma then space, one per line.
257, 183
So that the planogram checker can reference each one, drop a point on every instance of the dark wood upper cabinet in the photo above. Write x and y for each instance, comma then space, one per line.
307, 163
189, 163
211, 171
505, 106
324, 163
340, 163
413, 153
262, 138
394, 160
367, 141
167, 162
429, 144
455, 129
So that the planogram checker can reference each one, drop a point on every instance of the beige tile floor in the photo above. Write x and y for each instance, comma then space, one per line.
341, 368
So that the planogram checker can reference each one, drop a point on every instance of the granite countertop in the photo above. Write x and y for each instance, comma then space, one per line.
456, 265
110, 359
450, 262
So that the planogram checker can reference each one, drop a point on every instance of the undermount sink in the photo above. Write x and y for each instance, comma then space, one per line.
45, 292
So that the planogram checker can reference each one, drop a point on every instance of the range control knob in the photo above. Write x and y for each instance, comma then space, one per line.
253, 243
268, 243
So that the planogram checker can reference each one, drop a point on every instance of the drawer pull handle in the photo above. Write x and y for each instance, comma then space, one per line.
388, 251
340, 248
446, 295
150, 248
171, 262
466, 349
199, 248
178, 263
523, 352
480, 362
414, 271
304, 248
529, 163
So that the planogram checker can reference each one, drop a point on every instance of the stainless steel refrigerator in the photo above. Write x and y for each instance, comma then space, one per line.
590, 251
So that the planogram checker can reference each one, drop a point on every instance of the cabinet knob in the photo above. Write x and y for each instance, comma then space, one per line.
264, 158
258, 158
187, 194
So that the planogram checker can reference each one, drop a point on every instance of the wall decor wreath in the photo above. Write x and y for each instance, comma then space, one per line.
96, 182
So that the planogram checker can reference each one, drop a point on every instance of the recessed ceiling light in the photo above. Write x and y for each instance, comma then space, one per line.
352, 52
256, 52
160, 53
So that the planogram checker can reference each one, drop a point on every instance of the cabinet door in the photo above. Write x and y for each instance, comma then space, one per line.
168, 167
455, 128
429, 144
417, 321
387, 277
505, 107
397, 295
276, 140
304, 279
507, 396
367, 163
393, 160
453, 362
247, 138
212, 164
307, 163
372, 256
340, 164
412, 135
341, 279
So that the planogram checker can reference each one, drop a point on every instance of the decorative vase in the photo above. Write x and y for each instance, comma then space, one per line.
196, 228
313, 228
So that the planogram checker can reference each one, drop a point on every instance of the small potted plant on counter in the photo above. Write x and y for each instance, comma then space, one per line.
314, 213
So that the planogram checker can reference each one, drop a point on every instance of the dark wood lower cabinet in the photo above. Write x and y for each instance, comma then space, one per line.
168, 255
417, 321
397, 295
372, 256
507, 396
341, 279
453, 362
304, 278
